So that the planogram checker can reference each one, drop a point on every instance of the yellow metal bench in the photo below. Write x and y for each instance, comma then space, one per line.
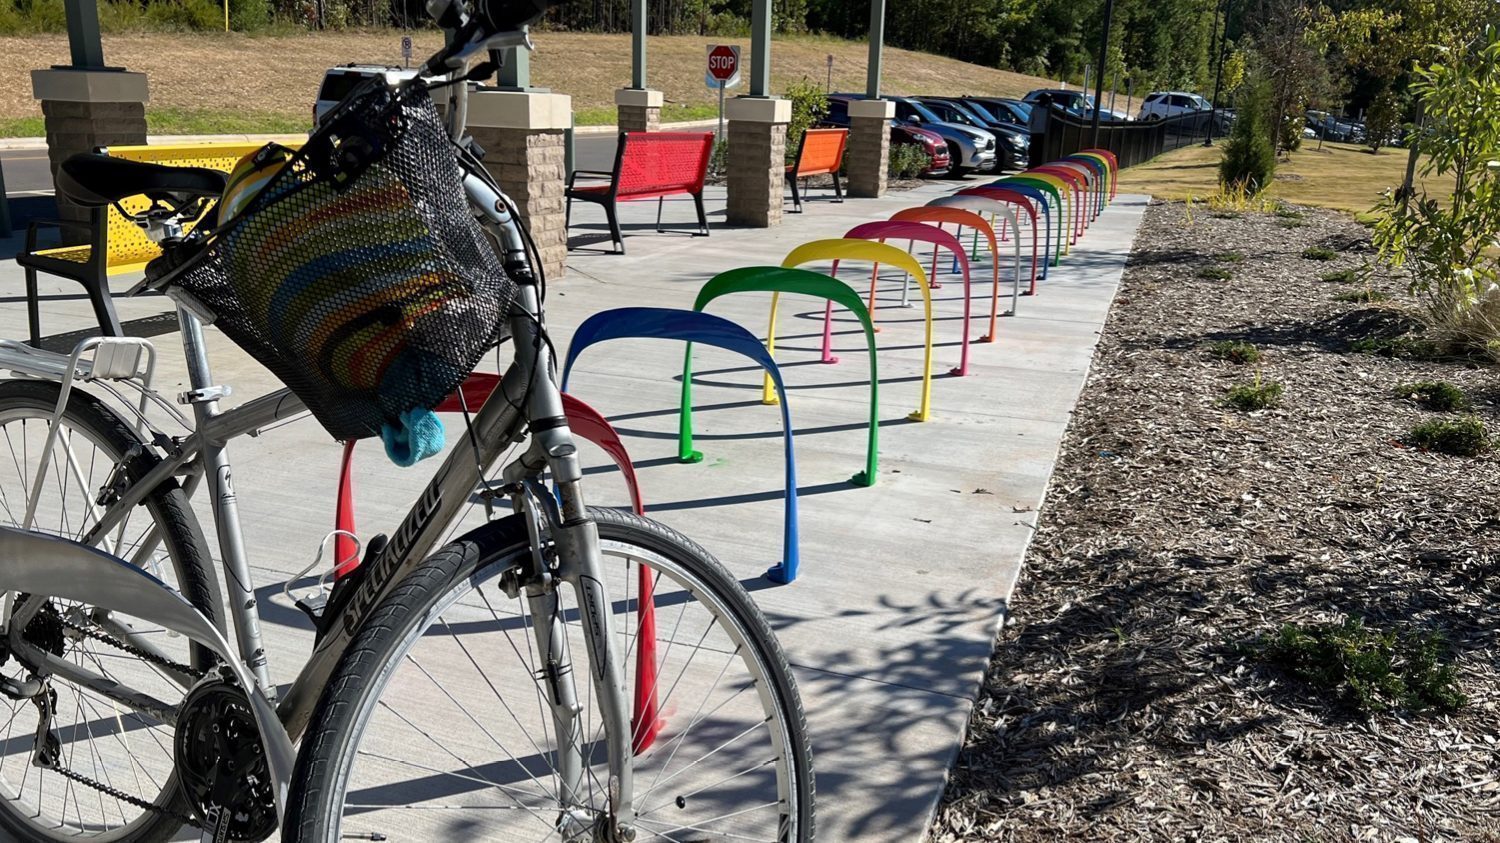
114, 244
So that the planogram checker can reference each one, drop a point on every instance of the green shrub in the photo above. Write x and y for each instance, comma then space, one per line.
1319, 253
249, 15
809, 104
907, 161
1214, 273
1249, 161
1434, 395
1235, 351
27, 17
1412, 347
1366, 296
1465, 437
1446, 239
1369, 670
1256, 395
1288, 213
1229, 257
718, 160
1292, 223
1342, 276
185, 14
123, 16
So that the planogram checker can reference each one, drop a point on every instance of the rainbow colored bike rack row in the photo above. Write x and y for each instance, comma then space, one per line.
1055, 203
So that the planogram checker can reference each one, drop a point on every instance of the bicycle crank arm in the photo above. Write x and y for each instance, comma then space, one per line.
45, 565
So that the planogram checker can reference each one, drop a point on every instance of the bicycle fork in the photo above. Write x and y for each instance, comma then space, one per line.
576, 562
572, 556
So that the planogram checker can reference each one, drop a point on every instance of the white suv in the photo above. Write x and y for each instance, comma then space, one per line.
1171, 103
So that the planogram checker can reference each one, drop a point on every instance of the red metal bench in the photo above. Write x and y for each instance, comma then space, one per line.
820, 153
648, 165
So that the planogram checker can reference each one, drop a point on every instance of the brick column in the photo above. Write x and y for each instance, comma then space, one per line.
639, 109
757, 159
84, 109
522, 135
869, 146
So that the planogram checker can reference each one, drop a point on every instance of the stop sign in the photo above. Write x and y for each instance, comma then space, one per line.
723, 62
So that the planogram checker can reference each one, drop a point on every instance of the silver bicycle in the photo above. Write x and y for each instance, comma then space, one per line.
561, 672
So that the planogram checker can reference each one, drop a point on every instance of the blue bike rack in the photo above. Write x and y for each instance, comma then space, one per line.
692, 326
1041, 200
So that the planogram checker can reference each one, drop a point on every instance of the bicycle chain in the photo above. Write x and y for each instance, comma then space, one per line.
143, 655
121, 795
106, 789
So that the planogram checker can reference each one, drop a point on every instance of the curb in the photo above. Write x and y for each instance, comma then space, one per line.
665, 127
41, 143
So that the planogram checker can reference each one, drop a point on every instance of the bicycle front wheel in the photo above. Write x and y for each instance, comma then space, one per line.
437, 724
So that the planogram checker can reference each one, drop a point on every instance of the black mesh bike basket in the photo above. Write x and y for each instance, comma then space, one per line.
358, 274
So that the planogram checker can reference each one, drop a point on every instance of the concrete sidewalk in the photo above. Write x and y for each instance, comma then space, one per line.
891, 623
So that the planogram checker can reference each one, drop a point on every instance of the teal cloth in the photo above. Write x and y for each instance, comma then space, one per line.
418, 436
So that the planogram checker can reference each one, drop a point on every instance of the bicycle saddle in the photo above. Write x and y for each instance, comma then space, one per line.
95, 180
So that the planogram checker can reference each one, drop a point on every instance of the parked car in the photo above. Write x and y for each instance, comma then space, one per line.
1162, 104
1076, 103
1328, 127
339, 81
901, 133
1012, 144
970, 149
1008, 111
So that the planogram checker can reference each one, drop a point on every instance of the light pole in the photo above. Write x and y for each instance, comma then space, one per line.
1109, 13
1213, 115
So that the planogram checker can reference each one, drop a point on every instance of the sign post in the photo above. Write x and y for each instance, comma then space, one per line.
723, 72
406, 49
828, 88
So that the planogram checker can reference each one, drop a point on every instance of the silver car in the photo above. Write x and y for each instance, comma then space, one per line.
971, 149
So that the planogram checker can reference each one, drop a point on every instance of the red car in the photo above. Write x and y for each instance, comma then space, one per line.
931, 142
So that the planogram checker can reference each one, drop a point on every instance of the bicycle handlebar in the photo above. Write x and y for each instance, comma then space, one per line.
486, 25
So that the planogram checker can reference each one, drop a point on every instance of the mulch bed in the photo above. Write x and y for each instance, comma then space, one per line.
1125, 699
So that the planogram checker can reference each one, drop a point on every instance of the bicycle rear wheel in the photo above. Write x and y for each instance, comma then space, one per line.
435, 725
123, 786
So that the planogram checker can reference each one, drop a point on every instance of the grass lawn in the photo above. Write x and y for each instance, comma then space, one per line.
1339, 176
203, 83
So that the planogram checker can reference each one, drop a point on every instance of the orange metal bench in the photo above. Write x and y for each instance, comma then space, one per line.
820, 153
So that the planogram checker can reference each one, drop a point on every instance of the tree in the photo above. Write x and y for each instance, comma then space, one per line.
1449, 245
1290, 62
1379, 40
1249, 161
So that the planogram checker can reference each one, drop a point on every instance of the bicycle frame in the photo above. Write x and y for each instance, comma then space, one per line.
528, 399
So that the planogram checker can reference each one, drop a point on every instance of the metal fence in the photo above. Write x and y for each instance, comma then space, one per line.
1132, 141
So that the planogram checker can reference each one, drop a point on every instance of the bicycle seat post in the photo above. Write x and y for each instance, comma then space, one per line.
204, 397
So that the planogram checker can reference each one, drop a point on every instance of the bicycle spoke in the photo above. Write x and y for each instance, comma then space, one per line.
450, 753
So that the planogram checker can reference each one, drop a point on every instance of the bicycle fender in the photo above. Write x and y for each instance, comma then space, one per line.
38, 563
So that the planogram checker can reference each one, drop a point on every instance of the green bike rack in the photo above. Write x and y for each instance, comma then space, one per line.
777, 280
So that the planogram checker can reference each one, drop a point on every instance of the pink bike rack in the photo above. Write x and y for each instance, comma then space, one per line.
912, 232
585, 421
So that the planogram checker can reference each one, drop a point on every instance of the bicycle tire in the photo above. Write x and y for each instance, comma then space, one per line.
191, 562
339, 721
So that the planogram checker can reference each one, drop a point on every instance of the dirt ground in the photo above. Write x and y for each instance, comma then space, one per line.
279, 74
1127, 699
